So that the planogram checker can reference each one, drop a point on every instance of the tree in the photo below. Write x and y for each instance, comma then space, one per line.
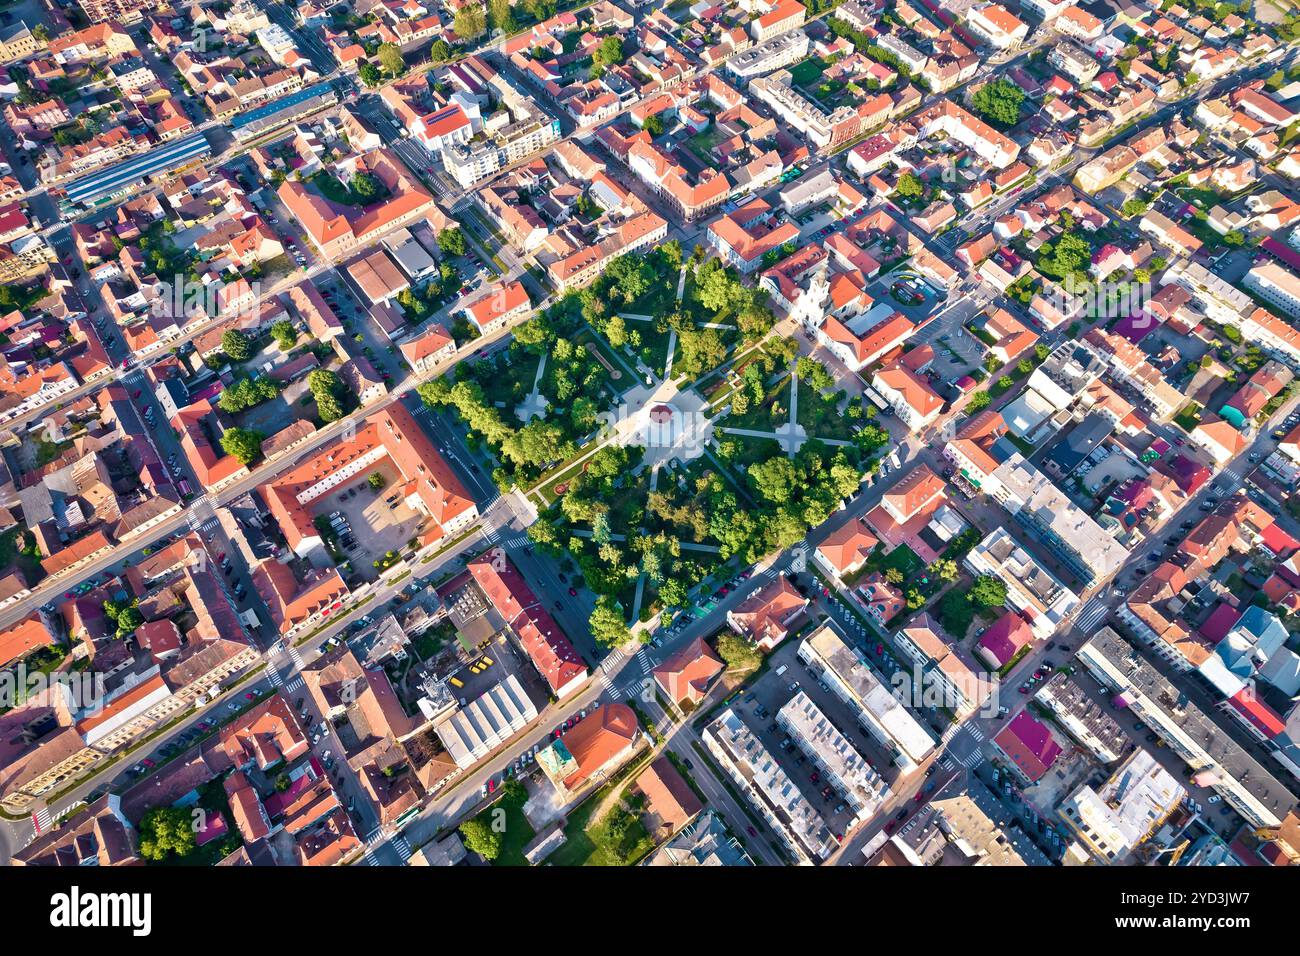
537, 443
616, 331
738, 653
608, 626
285, 335
701, 349
999, 102
673, 593
246, 393
470, 22
440, 51
978, 401
1133, 207
366, 188
390, 58
775, 479
909, 186
166, 831
243, 443
988, 591
479, 835
376, 480
654, 125
500, 15
1070, 256
944, 570
535, 335
609, 53
326, 388
452, 241
236, 345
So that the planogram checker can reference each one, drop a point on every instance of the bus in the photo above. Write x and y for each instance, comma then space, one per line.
874, 398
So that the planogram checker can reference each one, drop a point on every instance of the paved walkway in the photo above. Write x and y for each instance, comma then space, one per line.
535, 405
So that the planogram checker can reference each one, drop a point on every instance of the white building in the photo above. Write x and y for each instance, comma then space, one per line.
1112, 822
879, 712
1032, 591
835, 757
768, 788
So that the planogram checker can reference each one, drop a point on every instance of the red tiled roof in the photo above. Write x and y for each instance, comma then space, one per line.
551, 652
1029, 744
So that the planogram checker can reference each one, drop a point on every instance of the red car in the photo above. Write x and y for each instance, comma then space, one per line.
573, 592
751, 831
492, 785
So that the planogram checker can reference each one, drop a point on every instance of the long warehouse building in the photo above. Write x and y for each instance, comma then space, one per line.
124, 176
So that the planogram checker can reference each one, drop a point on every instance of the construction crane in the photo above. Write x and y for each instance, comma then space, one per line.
1179, 851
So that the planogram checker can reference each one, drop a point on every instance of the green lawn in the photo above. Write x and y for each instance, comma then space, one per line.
808, 73
587, 846
821, 415
762, 417
702, 143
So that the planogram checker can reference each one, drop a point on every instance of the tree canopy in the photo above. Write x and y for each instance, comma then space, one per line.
999, 102
243, 443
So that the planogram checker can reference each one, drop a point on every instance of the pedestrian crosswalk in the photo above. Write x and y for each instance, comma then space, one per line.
41, 819
973, 759
517, 541
373, 843
643, 660
403, 848
1093, 613
206, 526
295, 685
948, 764
975, 731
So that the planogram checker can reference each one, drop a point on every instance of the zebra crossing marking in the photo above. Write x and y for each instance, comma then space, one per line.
41, 819
1092, 615
973, 759
402, 847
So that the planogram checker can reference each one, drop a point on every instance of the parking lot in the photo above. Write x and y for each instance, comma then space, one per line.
956, 351
758, 709
369, 524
